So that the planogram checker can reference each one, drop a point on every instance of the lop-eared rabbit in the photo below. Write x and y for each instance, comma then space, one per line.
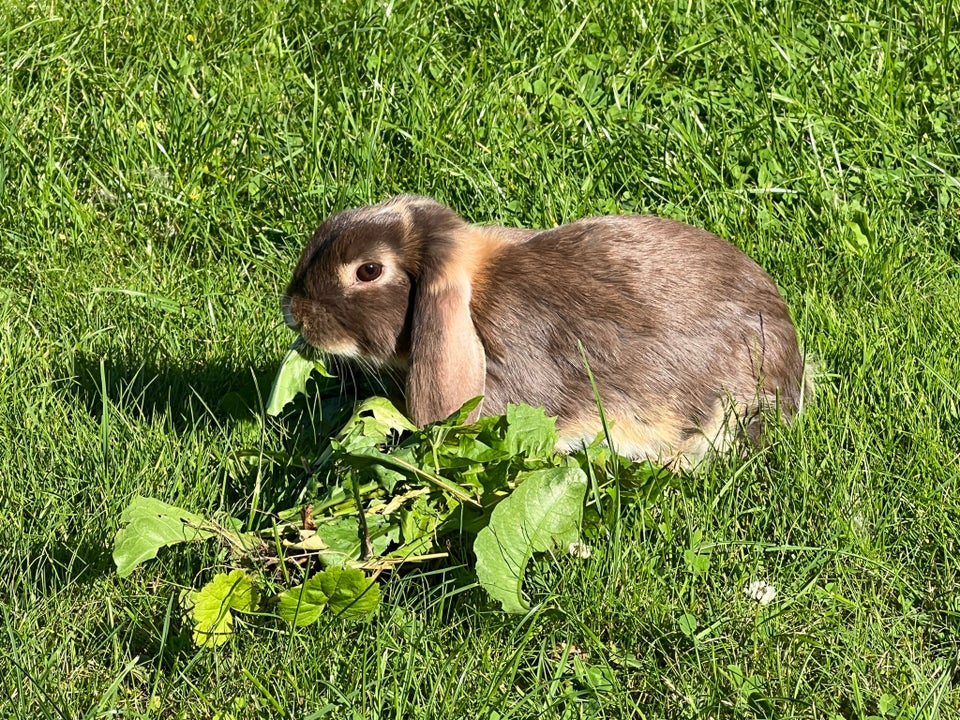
688, 339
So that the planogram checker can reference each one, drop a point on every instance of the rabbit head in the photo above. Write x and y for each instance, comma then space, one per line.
390, 284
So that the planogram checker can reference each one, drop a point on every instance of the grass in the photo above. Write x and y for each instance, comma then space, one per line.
161, 165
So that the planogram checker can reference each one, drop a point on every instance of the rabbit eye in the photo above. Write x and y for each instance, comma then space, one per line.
368, 272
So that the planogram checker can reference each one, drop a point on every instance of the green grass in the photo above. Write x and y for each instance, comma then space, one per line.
161, 165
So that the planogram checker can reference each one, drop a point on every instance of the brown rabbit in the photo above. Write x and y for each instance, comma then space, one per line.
688, 339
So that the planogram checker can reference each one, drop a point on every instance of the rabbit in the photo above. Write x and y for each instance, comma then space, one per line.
688, 339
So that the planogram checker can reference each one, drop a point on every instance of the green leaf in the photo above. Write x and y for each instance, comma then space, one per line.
599, 678
545, 509
472, 450
887, 705
419, 520
350, 593
346, 591
396, 463
461, 415
342, 539
373, 424
151, 525
697, 563
303, 604
291, 378
687, 624
530, 432
210, 607
388, 418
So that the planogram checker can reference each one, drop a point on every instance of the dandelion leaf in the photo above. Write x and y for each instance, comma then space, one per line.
291, 378
530, 432
150, 525
544, 510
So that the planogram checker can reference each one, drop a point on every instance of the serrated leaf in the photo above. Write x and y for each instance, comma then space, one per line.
545, 509
151, 525
291, 379
385, 416
471, 449
530, 432
350, 593
419, 520
210, 608
303, 604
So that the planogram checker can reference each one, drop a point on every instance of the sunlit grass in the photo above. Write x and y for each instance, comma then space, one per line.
161, 166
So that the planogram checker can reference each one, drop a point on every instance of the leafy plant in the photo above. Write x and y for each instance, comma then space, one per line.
543, 511
394, 494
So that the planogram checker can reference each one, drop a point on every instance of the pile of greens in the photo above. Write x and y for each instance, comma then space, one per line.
395, 495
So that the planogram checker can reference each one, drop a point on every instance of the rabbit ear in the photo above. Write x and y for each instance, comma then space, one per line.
447, 361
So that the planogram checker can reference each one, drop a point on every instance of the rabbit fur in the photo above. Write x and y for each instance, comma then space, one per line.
689, 340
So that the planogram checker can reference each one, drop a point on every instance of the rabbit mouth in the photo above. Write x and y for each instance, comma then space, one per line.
344, 348
319, 332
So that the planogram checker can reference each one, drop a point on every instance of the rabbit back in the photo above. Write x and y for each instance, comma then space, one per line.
687, 337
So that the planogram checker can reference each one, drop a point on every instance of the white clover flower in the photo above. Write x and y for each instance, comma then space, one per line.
579, 550
761, 591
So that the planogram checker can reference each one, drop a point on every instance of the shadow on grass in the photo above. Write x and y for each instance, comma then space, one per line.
224, 401
208, 395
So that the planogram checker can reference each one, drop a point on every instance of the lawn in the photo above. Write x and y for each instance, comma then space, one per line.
161, 166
